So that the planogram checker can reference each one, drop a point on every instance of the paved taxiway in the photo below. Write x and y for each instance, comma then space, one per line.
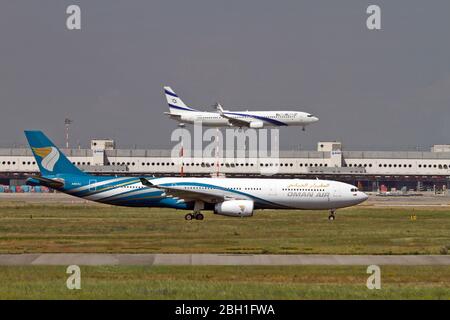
65, 259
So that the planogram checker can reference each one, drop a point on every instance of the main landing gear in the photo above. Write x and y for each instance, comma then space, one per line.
199, 205
192, 216
332, 215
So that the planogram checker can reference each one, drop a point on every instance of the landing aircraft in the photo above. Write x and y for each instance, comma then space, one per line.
234, 197
182, 113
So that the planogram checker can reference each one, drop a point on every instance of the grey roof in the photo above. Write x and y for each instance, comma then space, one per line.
395, 155
282, 153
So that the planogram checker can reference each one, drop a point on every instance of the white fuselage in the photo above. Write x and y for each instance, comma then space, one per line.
274, 193
262, 118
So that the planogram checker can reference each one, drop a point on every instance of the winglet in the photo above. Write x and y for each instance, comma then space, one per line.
146, 183
219, 107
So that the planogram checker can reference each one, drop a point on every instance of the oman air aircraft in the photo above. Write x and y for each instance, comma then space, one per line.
179, 111
224, 196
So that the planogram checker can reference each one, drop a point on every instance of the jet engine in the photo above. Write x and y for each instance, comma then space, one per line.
234, 208
256, 124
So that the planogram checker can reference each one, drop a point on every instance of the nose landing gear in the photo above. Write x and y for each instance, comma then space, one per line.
332, 215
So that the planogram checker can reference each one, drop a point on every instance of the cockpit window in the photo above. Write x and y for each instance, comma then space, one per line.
354, 190
310, 115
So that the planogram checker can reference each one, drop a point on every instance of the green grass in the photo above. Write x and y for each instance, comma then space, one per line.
225, 282
26, 228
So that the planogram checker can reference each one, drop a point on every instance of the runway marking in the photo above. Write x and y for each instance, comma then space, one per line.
95, 259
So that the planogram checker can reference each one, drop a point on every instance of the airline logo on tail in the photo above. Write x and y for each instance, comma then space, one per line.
176, 105
49, 155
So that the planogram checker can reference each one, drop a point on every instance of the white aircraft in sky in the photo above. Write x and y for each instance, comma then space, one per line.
251, 119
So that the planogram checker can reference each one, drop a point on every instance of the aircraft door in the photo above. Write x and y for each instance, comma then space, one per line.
273, 190
92, 186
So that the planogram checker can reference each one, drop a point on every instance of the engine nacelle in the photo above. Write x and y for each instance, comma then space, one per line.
235, 208
256, 124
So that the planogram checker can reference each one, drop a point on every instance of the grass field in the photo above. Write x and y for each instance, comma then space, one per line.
225, 282
28, 228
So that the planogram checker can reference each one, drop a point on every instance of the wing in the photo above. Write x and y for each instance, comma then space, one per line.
189, 195
237, 122
231, 120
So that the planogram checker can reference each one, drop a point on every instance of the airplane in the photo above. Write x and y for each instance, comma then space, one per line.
234, 197
182, 113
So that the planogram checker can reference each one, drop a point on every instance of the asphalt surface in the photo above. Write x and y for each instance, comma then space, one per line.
65, 259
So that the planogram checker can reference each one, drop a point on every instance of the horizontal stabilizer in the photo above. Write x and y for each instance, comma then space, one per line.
37, 180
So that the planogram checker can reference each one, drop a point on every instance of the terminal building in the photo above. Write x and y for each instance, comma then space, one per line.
369, 170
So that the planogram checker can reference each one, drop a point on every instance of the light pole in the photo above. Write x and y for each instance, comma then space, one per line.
67, 123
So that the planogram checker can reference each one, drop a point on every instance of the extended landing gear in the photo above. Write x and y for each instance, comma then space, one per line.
192, 216
332, 215
199, 205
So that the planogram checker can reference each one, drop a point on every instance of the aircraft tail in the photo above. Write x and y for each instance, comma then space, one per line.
50, 159
176, 105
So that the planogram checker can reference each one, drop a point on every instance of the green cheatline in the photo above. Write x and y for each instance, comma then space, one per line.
225, 282
98, 228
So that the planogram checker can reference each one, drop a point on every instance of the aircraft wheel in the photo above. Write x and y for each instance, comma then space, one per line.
189, 216
199, 216
331, 217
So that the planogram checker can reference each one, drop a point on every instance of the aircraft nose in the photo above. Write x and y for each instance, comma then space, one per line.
314, 119
363, 196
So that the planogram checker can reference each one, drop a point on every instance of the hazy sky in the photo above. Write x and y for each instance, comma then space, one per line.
387, 89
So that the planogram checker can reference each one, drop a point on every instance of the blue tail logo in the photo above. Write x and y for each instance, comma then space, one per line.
50, 159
